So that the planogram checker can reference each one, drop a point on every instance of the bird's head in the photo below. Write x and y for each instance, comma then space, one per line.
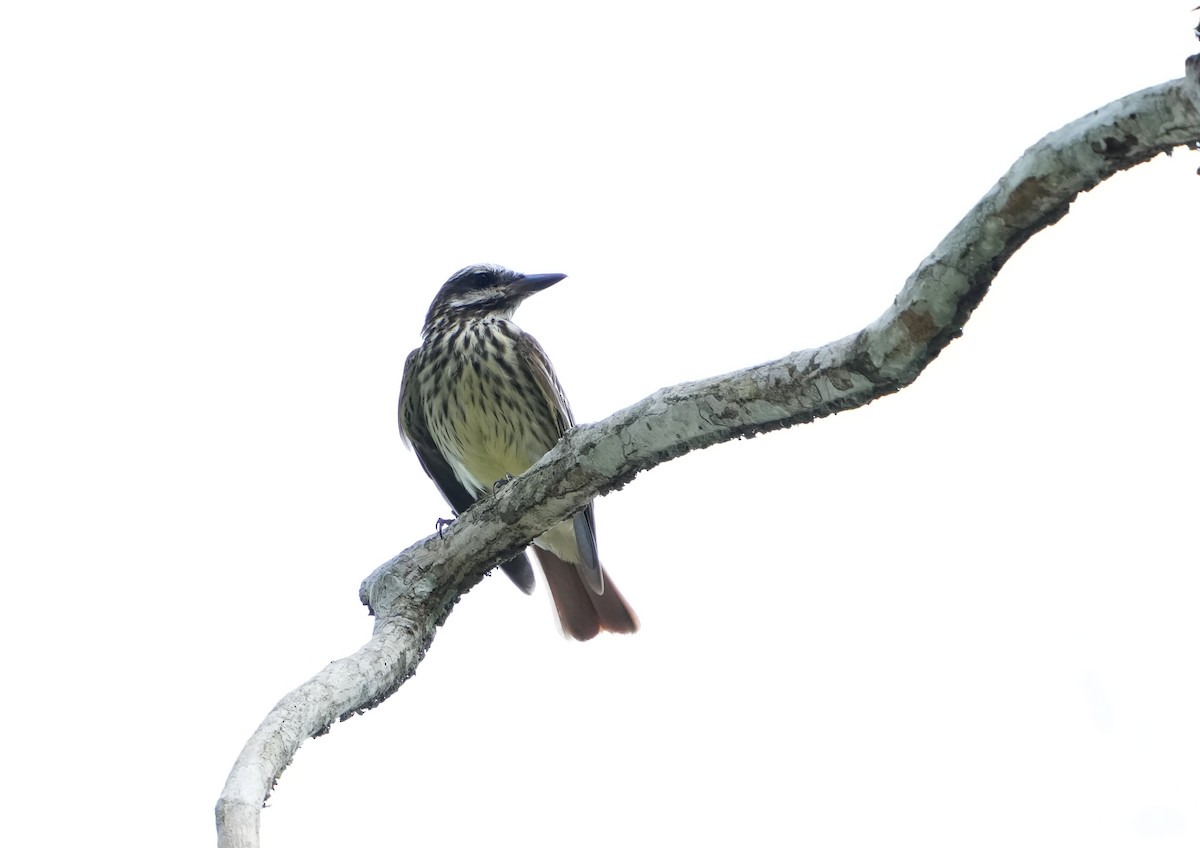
485, 290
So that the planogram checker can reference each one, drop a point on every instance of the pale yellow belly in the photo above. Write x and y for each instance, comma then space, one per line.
488, 455
484, 446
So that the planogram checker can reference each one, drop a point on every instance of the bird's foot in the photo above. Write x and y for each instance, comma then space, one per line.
442, 524
501, 483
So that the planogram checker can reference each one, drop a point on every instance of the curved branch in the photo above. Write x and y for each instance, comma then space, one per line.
412, 594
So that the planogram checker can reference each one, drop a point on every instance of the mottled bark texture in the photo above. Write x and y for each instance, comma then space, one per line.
413, 593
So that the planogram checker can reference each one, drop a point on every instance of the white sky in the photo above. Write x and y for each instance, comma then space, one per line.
964, 615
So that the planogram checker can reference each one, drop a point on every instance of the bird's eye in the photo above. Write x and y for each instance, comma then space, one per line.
474, 278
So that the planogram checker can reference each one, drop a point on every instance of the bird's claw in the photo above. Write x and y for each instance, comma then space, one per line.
442, 524
501, 483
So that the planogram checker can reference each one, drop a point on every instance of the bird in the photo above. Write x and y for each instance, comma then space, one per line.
479, 404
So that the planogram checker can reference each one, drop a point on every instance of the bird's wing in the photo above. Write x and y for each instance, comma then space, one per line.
553, 396
585, 538
415, 433
546, 382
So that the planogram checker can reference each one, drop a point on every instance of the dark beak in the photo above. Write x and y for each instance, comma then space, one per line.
530, 283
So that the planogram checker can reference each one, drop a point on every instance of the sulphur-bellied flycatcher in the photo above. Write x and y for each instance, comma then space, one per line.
479, 402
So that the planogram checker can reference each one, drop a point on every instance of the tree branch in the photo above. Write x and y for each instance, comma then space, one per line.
412, 594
